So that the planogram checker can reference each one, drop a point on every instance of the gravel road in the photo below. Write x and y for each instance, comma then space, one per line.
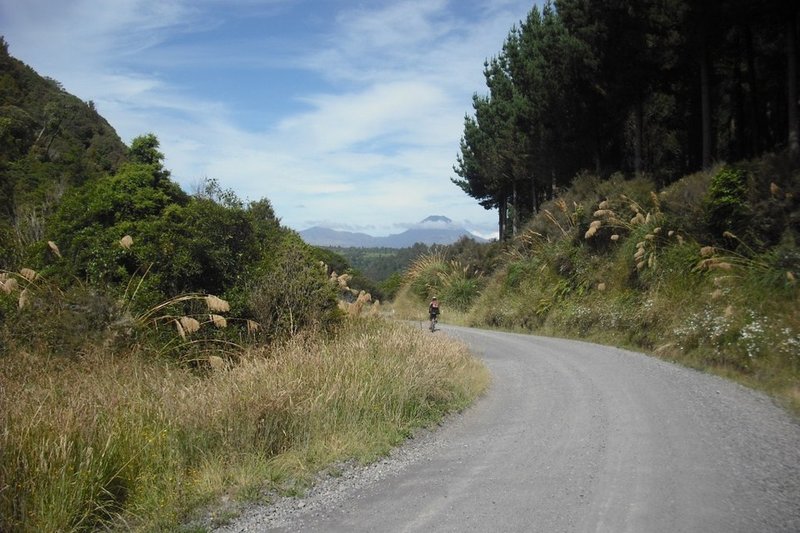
572, 437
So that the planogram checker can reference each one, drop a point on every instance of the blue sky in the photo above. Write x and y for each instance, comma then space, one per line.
343, 113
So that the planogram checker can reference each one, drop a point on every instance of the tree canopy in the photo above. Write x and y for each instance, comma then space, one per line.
647, 88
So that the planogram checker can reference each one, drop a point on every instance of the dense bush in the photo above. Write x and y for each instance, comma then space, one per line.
291, 292
726, 205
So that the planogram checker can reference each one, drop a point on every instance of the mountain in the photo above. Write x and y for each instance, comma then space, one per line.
319, 236
435, 229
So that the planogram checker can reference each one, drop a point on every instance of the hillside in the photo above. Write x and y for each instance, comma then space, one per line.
50, 141
703, 272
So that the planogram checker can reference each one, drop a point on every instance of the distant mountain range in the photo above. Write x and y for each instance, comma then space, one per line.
433, 230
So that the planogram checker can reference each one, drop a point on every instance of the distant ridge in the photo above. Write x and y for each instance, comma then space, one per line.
435, 229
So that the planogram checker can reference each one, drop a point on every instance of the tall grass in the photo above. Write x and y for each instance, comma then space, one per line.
136, 442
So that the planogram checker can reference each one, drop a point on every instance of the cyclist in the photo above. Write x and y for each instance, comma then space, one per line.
433, 311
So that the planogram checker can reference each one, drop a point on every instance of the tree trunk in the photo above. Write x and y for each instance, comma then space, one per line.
638, 136
791, 56
514, 209
501, 215
755, 145
705, 102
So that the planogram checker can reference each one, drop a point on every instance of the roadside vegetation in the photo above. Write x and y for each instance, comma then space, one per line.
170, 351
703, 272
163, 351
132, 440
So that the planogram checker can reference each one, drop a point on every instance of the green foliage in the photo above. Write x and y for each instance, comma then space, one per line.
137, 228
459, 286
423, 276
391, 285
46, 318
726, 205
291, 292
612, 87
650, 279
456, 285
380, 263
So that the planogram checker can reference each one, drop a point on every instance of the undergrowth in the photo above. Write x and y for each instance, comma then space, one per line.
703, 273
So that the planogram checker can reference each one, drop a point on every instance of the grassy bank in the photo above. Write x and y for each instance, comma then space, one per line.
703, 273
138, 442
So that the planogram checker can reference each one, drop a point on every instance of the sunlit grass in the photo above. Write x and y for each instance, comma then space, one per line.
137, 442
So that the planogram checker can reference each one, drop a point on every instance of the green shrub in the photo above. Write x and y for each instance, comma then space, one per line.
726, 206
292, 292
423, 276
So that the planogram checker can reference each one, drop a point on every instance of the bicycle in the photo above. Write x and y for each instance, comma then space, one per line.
434, 320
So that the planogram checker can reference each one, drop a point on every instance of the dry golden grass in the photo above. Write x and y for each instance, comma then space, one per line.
84, 442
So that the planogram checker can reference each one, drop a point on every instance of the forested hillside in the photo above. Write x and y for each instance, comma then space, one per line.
49, 141
657, 88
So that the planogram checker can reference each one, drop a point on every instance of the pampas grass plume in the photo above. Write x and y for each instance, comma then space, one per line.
126, 242
190, 325
216, 362
29, 274
23, 298
217, 304
219, 321
9, 285
181, 332
722, 265
54, 248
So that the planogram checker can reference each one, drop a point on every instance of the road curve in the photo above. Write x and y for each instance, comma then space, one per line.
578, 437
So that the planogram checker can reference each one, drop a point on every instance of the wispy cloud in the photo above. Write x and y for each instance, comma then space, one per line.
368, 138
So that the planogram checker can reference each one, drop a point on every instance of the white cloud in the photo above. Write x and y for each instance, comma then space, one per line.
375, 141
